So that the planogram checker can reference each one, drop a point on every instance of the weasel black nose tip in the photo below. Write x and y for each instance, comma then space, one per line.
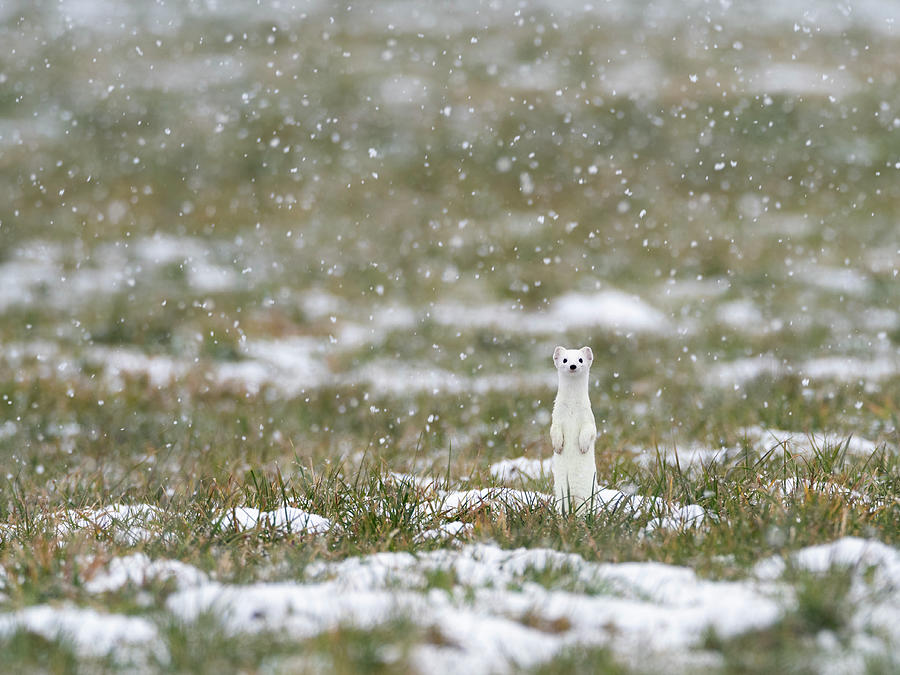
572, 367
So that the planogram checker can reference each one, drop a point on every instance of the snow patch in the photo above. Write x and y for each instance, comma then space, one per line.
127, 523
467, 500
691, 456
851, 370
291, 365
697, 288
138, 569
805, 443
390, 377
679, 518
667, 515
131, 524
381, 320
797, 78
853, 552
741, 316
491, 619
452, 530
609, 309
520, 468
735, 374
873, 600
193, 255
488, 619
29, 270
843, 280
119, 362
93, 633
287, 519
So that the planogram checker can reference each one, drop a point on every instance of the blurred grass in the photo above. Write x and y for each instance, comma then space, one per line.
397, 157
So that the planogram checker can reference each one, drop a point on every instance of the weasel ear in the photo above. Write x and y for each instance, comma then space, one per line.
588, 354
557, 355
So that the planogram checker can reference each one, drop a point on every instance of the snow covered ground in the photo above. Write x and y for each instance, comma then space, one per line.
499, 617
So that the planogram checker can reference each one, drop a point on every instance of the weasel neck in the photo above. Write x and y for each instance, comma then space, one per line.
572, 389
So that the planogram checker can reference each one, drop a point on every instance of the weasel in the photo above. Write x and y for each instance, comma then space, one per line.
573, 431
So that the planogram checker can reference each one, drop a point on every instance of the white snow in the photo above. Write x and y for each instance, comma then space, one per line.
679, 518
138, 569
135, 523
465, 500
880, 319
23, 276
737, 373
671, 515
166, 249
287, 519
194, 255
797, 78
211, 278
127, 523
637, 78
742, 316
291, 365
805, 442
91, 632
121, 361
297, 364
853, 552
489, 620
397, 378
496, 616
687, 456
35, 272
381, 321
796, 487
843, 280
519, 468
453, 530
609, 309
666, 515
848, 369
873, 600
693, 289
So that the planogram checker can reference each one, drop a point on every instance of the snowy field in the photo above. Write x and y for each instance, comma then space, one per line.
279, 287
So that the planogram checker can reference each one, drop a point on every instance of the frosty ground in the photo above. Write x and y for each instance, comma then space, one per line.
279, 288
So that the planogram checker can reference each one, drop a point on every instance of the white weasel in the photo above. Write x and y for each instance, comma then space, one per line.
573, 431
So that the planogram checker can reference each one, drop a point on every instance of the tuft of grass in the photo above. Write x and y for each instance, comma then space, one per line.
204, 647
583, 660
24, 651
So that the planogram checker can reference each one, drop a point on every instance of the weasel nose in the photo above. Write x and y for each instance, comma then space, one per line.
572, 367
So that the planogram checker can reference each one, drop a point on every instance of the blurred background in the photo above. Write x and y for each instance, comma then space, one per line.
327, 228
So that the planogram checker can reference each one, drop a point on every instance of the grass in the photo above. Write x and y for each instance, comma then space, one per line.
204, 648
199, 186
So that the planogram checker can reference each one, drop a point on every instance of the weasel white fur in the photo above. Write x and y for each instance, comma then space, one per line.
573, 431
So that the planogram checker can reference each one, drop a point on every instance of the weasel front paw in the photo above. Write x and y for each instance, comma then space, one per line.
556, 440
586, 441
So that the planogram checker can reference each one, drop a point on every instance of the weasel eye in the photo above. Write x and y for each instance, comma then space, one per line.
565, 360
580, 361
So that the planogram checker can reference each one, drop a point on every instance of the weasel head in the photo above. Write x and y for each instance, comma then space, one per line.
573, 361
